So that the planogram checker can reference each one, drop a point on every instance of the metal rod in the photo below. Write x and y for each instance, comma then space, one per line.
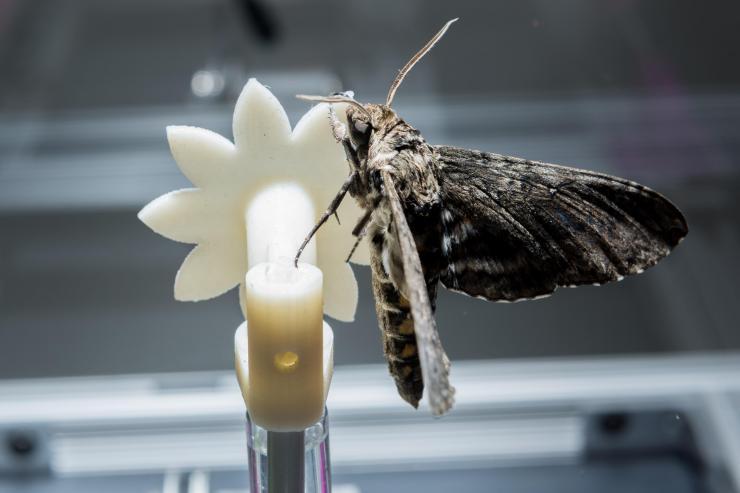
285, 461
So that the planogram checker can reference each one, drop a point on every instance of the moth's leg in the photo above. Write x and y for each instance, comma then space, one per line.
360, 231
435, 366
339, 130
354, 247
333, 206
361, 225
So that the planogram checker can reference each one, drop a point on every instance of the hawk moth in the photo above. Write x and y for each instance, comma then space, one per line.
496, 227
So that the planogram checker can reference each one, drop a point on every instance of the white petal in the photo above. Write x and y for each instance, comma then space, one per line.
210, 270
340, 291
177, 215
243, 299
260, 123
340, 285
318, 155
314, 128
203, 156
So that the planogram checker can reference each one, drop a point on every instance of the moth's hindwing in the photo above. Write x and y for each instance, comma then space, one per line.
517, 229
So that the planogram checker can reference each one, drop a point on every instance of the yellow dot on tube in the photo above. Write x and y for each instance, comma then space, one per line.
286, 362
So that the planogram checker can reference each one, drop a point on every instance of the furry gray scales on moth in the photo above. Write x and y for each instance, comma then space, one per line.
496, 227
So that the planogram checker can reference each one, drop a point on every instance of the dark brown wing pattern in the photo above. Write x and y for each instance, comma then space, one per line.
517, 229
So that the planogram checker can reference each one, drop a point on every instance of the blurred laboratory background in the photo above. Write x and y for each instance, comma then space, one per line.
108, 383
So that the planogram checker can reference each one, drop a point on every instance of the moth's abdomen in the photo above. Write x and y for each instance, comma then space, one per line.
389, 284
397, 329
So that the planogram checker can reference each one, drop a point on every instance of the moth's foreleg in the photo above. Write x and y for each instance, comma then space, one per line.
339, 130
333, 206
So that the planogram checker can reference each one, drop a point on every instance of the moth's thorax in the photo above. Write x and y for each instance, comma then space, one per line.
395, 146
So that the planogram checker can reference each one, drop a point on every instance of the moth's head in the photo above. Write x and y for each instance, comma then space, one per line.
364, 119
360, 126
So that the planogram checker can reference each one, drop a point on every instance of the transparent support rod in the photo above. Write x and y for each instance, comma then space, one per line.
274, 465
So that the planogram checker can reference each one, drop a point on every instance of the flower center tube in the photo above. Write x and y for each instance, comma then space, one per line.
284, 306
278, 219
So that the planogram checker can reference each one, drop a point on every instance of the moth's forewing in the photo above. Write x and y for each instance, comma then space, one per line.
434, 361
517, 229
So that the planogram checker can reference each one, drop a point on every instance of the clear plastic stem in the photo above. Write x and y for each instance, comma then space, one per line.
316, 465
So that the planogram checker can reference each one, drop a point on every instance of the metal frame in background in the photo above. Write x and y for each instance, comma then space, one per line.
508, 413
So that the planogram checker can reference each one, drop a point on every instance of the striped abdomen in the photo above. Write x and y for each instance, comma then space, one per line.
397, 329
392, 308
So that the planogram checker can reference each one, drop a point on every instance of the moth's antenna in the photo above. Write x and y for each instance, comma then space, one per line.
410, 64
335, 99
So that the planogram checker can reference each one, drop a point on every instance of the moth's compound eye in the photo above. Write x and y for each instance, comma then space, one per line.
361, 127
360, 132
